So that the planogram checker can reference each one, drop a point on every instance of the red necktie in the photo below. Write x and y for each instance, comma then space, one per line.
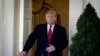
49, 37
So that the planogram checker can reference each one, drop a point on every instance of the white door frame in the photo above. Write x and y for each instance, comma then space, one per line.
25, 22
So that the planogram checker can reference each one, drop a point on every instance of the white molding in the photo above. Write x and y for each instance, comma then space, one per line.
16, 27
21, 25
25, 20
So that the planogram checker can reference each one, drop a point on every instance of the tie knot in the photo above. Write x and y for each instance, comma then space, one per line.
50, 26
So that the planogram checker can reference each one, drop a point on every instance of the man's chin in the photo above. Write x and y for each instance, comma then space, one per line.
50, 23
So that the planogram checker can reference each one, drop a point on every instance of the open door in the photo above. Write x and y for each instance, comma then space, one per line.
27, 22
34, 14
39, 7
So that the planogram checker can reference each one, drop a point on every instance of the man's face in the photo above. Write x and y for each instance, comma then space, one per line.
50, 18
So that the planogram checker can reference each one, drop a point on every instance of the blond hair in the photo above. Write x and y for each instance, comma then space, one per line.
51, 12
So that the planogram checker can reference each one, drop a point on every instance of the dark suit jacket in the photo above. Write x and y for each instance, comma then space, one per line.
59, 40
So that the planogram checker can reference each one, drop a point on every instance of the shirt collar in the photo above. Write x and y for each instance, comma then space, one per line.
49, 25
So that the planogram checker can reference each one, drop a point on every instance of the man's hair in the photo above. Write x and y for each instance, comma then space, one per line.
51, 12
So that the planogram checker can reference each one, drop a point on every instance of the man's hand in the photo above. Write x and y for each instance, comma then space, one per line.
51, 48
23, 53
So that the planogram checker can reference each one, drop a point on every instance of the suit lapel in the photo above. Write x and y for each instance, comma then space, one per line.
45, 31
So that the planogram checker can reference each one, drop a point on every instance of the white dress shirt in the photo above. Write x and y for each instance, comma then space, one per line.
48, 27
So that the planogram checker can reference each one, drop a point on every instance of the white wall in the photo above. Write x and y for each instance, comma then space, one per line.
75, 9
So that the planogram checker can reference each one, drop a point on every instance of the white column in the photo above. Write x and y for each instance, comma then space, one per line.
0, 27
8, 27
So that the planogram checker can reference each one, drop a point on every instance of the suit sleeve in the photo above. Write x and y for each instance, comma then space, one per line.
31, 40
62, 43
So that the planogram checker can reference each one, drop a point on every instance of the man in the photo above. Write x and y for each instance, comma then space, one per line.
51, 38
